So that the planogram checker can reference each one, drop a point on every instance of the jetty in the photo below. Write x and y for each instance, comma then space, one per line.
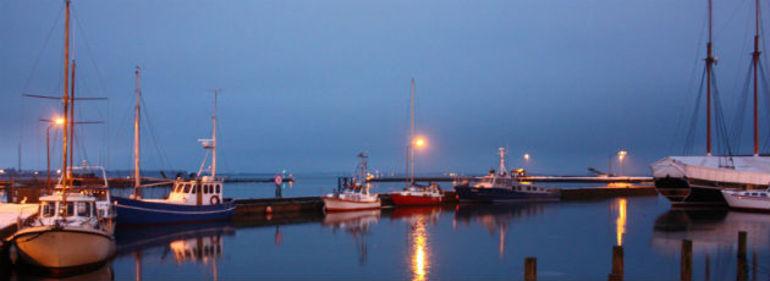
562, 179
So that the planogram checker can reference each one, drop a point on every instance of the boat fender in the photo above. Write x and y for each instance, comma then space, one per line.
269, 210
214, 200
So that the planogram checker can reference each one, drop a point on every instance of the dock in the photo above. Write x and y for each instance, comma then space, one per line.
562, 179
9, 215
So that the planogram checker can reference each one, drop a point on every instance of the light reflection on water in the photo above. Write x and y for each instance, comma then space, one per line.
572, 241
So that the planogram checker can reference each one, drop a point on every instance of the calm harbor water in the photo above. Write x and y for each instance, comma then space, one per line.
571, 240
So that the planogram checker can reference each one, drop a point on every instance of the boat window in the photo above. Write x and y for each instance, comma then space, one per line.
763, 194
48, 209
195, 188
186, 188
218, 189
83, 209
67, 210
207, 189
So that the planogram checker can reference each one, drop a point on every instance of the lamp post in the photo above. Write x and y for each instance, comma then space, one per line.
58, 121
622, 156
417, 142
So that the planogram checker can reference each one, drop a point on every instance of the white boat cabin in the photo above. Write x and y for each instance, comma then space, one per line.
206, 191
77, 208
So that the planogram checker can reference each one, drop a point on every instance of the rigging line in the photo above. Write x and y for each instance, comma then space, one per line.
731, 17
767, 96
720, 122
680, 127
99, 76
739, 118
42, 50
689, 139
156, 144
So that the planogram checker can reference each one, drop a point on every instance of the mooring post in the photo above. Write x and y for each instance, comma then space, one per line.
686, 261
753, 266
617, 264
742, 267
707, 268
530, 269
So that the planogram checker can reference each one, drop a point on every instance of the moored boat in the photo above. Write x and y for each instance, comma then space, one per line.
418, 195
748, 200
196, 200
499, 186
354, 196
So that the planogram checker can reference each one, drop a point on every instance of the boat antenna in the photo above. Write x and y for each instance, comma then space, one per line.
214, 136
755, 61
502, 168
137, 132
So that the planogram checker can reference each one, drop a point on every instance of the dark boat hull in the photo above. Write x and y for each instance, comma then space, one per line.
682, 192
490, 195
131, 211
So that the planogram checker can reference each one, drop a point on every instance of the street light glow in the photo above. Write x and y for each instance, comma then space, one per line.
622, 154
526, 156
58, 121
420, 142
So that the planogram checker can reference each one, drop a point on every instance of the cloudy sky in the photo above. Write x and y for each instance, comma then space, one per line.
307, 84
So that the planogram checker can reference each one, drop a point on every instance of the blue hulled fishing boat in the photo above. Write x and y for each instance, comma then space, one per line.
198, 199
500, 186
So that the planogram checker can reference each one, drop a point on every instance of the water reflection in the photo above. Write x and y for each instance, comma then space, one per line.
709, 230
357, 224
418, 219
496, 218
198, 244
620, 222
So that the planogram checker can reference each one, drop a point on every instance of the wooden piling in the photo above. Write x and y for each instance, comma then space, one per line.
617, 264
742, 266
753, 266
708, 268
530, 269
686, 261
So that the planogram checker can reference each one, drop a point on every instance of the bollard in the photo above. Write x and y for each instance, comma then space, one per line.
530, 269
742, 267
686, 261
617, 264
708, 268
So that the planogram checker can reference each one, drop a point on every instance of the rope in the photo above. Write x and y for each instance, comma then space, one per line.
689, 140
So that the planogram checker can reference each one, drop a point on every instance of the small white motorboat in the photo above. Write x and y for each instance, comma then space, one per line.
750, 200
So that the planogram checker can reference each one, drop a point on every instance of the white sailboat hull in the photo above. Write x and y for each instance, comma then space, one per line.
63, 248
751, 201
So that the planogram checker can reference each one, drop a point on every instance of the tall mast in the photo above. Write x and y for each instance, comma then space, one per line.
755, 60
214, 137
137, 112
72, 119
66, 98
709, 64
411, 133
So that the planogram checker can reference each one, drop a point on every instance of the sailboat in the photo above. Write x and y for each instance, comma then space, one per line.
699, 180
354, 196
499, 186
74, 227
196, 200
414, 194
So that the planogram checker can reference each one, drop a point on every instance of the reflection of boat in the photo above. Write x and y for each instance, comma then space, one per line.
130, 239
195, 200
103, 273
710, 230
357, 224
354, 196
748, 200
499, 186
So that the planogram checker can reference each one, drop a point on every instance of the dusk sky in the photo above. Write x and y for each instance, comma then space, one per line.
308, 84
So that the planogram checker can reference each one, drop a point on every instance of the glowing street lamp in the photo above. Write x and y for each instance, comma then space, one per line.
56, 121
526, 157
420, 142
622, 156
